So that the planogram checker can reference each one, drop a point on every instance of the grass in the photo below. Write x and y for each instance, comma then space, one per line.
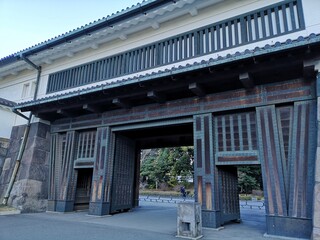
171, 193
249, 197
4, 208
165, 193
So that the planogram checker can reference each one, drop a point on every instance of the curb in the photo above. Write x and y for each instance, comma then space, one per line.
5, 213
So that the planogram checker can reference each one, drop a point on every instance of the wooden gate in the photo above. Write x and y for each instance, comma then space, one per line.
229, 197
123, 175
83, 189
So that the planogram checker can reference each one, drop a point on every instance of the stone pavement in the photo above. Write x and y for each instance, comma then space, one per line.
151, 221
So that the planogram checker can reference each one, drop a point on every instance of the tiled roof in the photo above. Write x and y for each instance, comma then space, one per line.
248, 53
7, 103
92, 26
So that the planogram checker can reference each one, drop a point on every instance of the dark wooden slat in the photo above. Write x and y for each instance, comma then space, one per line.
271, 162
230, 34
263, 23
199, 39
302, 166
191, 46
270, 22
244, 30
199, 153
236, 32
276, 11
206, 36
292, 16
224, 35
207, 146
284, 16
256, 26
218, 37
250, 32
213, 34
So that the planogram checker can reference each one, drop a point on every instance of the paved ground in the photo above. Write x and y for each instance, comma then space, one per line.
150, 221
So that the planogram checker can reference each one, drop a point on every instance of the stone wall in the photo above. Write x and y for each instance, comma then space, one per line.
4, 144
30, 190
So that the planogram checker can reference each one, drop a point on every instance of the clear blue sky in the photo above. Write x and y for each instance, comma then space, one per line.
24, 23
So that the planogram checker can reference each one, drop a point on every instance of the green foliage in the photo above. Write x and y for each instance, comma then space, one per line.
166, 165
249, 178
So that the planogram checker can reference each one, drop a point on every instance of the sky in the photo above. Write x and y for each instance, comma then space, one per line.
25, 23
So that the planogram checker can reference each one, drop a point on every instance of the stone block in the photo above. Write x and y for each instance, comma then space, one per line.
316, 234
7, 164
189, 223
39, 130
316, 206
3, 151
39, 157
2, 159
33, 171
26, 196
4, 143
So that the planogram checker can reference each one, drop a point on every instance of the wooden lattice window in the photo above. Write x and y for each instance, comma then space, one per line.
236, 132
236, 138
86, 145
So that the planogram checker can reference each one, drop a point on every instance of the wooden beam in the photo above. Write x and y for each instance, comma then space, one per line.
246, 80
65, 113
156, 96
309, 71
197, 89
121, 103
91, 108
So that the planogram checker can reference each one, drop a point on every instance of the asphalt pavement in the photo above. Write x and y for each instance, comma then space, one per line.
152, 220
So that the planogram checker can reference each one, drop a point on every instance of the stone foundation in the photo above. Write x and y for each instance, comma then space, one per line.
4, 145
30, 190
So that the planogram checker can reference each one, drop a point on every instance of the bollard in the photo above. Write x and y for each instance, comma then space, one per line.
189, 222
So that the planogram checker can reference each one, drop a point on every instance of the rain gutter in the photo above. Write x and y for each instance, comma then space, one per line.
25, 134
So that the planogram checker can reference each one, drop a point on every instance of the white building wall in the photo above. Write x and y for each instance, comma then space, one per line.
215, 13
7, 120
13, 87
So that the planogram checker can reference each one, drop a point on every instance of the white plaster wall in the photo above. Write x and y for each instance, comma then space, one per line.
215, 13
11, 87
7, 120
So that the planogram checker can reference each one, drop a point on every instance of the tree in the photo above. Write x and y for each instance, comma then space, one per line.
166, 165
249, 178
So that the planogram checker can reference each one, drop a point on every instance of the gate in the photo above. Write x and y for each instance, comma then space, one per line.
123, 175
83, 190
228, 178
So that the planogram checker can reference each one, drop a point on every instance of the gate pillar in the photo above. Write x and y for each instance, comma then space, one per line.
287, 153
102, 173
316, 204
205, 171
61, 174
